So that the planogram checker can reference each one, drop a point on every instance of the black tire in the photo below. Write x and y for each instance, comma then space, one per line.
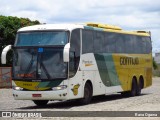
87, 95
40, 102
125, 94
133, 91
139, 88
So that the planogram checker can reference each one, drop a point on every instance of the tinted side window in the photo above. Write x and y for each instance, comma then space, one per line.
148, 45
110, 43
138, 46
87, 41
143, 45
74, 52
98, 41
129, 44
120, 43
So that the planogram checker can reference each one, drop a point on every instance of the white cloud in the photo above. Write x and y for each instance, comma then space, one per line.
129, 14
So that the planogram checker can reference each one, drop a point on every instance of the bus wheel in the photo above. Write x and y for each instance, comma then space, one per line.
125, 94
133, 88
139, 88
87, 94
40, 102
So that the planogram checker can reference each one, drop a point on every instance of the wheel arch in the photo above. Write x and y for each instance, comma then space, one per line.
90, 83
134, 78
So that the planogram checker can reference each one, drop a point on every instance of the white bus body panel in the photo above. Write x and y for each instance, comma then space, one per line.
90, 72
45, 95
46, 27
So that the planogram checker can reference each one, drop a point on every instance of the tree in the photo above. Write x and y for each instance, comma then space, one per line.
155, 66
8, 29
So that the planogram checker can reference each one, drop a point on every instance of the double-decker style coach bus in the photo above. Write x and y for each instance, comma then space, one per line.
78, 61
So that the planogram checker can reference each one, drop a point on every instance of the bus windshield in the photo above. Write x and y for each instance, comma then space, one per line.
41, 38
39, 63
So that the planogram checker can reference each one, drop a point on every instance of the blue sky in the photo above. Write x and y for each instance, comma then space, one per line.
128, 14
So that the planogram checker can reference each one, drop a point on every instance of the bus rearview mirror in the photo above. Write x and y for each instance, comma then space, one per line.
66, 52
4, 53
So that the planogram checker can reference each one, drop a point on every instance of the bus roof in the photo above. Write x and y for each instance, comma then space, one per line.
90, 26
115, 29
51, 27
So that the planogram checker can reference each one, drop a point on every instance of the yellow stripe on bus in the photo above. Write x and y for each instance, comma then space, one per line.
30, 85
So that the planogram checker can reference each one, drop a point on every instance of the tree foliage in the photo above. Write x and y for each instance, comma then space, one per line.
155, 66
8, 29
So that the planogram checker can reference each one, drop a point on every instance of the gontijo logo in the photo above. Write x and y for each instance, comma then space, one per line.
129, 61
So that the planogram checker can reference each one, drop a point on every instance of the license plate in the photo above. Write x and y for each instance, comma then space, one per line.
36, 95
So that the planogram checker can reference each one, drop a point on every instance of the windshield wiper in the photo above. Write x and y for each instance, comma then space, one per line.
29, 66
39, 60
45, 70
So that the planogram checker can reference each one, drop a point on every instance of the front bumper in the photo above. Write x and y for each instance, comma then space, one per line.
44, 95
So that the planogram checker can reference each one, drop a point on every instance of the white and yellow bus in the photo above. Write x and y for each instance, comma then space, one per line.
79, 61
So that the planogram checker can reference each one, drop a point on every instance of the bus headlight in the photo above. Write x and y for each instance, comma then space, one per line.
17, 88
61, 87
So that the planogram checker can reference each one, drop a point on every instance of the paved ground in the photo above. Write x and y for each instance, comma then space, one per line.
148, 101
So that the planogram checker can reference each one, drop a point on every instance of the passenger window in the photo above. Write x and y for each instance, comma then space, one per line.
87, 41
98, 42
